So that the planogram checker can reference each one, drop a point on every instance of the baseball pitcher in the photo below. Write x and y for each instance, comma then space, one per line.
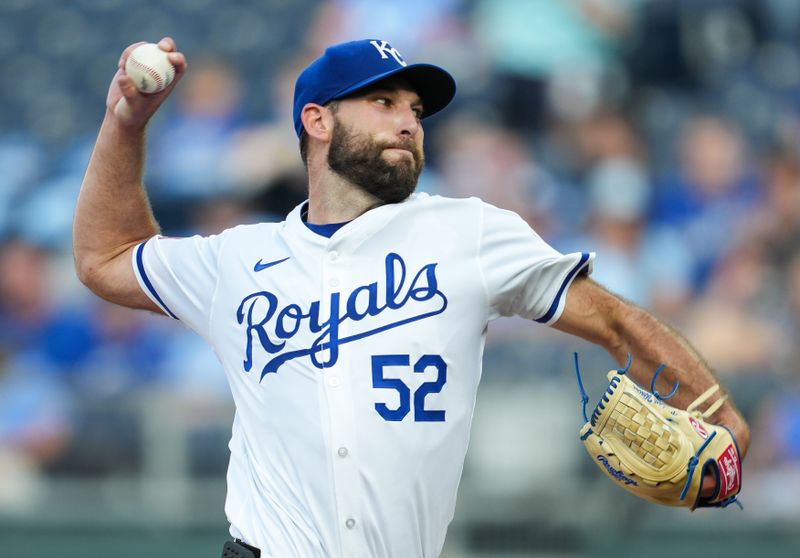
352, 332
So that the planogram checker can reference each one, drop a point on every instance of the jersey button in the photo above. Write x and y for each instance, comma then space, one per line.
334, 381
350, 523
342, 451
333, 282
332, 255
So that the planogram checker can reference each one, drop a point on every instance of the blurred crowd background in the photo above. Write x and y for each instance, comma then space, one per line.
662, 134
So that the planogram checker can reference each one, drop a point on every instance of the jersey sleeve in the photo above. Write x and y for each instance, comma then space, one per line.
524, 275
180, 276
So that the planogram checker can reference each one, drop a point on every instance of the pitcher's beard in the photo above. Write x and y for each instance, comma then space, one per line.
358, 159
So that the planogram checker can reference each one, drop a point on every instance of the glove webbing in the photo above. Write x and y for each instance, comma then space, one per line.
644, 433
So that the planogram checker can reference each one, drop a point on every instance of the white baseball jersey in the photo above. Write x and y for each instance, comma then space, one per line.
354, 362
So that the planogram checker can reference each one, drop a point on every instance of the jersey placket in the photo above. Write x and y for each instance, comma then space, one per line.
339, 393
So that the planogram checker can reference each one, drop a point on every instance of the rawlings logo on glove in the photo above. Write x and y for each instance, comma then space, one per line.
659, 452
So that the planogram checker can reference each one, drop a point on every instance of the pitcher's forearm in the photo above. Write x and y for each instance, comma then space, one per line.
112, 211
623, 329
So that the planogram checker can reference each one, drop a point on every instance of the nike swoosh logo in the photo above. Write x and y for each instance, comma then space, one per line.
262, 266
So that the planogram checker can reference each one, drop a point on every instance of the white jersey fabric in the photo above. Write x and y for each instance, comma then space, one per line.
354, 362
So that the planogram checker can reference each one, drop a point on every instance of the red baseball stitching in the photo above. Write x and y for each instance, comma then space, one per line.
149, 70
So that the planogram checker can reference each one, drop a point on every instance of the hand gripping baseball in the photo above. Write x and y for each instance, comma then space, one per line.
658, 452
129, 105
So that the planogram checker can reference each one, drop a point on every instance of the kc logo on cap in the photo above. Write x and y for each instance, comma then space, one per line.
349, 68
385, 47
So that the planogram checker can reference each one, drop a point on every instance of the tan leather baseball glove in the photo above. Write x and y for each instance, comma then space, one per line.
656, 451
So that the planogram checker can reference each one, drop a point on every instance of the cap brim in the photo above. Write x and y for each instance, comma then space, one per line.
434, 85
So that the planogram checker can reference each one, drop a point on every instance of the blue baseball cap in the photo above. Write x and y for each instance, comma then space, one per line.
346, 68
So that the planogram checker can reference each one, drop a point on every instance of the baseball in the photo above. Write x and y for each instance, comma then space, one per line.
149, 68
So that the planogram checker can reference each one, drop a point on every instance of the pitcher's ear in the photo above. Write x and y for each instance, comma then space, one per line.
317, 121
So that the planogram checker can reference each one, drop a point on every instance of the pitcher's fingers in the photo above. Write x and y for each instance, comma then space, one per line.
167, 43
178, 60
127, 87
127, 52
